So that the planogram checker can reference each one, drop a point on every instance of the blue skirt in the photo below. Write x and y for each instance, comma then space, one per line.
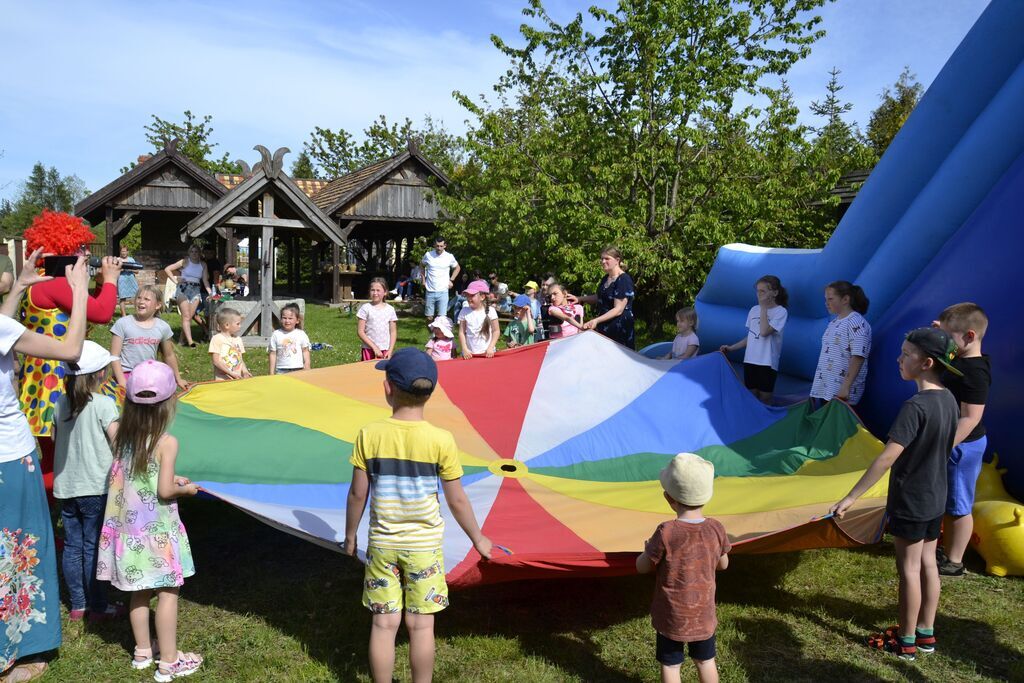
29, 592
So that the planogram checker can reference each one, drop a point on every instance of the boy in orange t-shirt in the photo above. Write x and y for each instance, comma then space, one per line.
685, 552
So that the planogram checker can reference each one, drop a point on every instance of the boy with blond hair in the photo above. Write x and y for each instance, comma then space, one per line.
397, 463
685, 553
919, 443
966, 323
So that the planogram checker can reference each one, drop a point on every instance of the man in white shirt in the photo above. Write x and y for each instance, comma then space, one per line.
438, 278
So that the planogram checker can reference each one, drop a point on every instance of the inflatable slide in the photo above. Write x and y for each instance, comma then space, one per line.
937, 222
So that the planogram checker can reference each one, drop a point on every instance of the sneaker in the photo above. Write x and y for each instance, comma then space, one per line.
76, 615
113, 611
949, 568
925, 644
940, 554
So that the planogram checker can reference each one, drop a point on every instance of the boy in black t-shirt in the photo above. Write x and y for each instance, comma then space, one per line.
966, 323
919, 443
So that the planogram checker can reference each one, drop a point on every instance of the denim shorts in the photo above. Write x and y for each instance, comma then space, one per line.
436, 304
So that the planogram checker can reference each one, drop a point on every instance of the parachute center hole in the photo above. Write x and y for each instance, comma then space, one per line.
508, 468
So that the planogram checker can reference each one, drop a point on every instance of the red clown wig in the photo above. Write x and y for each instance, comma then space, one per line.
57, 233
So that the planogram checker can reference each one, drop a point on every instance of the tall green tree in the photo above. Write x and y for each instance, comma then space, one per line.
194, 141
302, 167
45, 188
841, 145
335, 153
627, 133
895, 107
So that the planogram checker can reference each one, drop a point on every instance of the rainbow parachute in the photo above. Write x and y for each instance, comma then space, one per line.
561, 443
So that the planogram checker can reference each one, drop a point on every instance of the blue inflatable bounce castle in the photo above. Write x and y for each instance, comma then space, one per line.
940, 220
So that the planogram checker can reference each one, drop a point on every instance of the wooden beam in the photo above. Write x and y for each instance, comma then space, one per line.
109, 229
122, 223
267, 270
335, 279
247, 221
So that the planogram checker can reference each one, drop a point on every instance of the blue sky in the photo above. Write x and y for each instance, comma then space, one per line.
79, 80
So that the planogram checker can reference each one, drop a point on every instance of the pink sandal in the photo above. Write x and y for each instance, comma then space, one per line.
187, 664
143, 657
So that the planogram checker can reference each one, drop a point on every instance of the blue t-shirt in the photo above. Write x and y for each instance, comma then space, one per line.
619, 329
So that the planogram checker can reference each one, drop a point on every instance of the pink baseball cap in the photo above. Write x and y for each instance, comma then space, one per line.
477, 287
151, 382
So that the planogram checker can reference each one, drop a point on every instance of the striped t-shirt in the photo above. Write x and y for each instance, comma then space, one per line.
403, 460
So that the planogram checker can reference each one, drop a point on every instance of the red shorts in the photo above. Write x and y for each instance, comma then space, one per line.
369, 355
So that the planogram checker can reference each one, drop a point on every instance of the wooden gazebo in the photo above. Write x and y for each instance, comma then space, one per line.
266, 204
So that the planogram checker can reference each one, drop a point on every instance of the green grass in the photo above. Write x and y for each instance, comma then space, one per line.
265, 606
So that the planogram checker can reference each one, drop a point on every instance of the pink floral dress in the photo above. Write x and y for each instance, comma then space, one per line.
143, 543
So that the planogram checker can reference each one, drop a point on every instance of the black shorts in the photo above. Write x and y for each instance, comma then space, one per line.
912, 530
759, 377
671, 652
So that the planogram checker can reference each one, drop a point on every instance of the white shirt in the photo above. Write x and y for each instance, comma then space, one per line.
378, 323
843, 338
682, 343
765, 350
478, 333
288, 347
16, 440
438, 270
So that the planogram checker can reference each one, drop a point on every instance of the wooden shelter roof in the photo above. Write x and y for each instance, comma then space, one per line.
849, 185
92, 208
267, 176
310, 186
345, 189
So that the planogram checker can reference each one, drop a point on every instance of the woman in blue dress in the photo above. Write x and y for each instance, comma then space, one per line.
614, 301
127, 285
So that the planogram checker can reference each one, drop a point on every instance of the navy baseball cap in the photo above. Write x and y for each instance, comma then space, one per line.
408, 365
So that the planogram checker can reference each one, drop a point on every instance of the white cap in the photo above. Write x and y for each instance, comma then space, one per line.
689, 479
94, 358
444, 324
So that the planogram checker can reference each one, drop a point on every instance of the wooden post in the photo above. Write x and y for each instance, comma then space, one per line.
19, 254
231, 250
335, 278
108, 223
267, 270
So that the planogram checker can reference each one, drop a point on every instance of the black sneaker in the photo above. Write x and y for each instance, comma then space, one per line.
940, 554
950, 568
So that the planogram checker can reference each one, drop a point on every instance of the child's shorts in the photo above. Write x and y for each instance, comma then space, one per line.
962, 470
759, 377
913, 530
404, 578
671, 652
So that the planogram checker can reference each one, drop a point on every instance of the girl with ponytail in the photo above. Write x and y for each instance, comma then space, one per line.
763, 342
845, 346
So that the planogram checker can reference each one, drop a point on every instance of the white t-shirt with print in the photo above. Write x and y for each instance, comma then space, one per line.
765, 350
478, 333
378, 323
16, 440
682, 342
288, 347
438, 269
843, 338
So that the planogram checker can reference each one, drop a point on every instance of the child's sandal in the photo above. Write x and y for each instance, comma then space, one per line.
143, 658
893, 644
187, 664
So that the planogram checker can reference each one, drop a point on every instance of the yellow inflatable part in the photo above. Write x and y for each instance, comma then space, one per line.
998, 524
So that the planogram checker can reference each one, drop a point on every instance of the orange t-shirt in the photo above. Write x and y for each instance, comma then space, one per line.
686, 555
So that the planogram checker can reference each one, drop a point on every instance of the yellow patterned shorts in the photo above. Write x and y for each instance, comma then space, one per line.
395, 578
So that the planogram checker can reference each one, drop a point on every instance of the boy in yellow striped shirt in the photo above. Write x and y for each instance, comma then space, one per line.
399, 461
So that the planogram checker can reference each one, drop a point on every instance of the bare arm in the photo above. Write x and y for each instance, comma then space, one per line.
171, 358
466, 353
970, 417
583, 300
765, 328
40, 345
26, 278
455, 273
723, 562
644, 564
462, 511
219, 363
116, 342
169, 486
495, 335
690, 351
559, 314
361, 333
741, 344
856, 363
111, 431
272, 361
169, 270
206, 280
6, 282
873, 473
306, 361
358, 492
393, 332
616, 310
